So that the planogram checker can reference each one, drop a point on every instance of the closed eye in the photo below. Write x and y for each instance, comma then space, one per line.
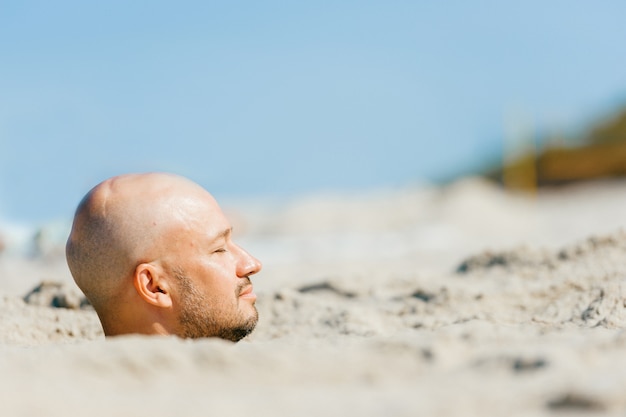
220, 250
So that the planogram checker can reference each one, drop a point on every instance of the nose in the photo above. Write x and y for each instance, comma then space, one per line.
247, 264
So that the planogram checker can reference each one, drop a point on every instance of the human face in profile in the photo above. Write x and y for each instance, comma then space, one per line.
214, 296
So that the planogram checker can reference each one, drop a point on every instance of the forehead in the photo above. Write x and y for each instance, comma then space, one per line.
199, 217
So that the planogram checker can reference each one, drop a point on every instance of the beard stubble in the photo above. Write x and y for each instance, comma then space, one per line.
199, 317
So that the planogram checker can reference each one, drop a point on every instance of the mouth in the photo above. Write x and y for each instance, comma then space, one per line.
248, 293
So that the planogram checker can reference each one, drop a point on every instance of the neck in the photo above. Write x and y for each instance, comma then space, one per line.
124, 322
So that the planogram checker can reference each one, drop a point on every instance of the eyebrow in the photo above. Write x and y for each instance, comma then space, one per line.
223, 235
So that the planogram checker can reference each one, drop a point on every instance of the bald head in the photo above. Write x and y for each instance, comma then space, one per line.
134, 235
120, 222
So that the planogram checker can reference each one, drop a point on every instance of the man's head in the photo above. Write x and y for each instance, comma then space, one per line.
154, 254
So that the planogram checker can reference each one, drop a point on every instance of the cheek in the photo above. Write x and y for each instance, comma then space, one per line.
217, 280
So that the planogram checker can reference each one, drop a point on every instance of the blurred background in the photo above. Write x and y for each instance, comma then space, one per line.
279, 100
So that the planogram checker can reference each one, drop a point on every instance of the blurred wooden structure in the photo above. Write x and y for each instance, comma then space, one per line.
602, 155
560, 165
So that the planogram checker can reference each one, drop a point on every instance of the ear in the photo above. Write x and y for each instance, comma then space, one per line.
152, 285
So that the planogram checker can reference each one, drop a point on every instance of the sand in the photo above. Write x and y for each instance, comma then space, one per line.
454, 301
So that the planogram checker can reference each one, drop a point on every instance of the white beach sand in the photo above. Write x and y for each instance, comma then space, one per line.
459, 301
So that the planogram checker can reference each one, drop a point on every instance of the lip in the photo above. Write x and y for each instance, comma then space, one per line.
247, 292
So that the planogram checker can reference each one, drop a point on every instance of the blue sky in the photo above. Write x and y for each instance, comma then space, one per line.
283, 98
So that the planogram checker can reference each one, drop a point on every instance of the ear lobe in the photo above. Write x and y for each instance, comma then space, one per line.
152, 286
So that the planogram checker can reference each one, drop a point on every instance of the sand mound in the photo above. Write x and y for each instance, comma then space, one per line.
519, 330
534, 331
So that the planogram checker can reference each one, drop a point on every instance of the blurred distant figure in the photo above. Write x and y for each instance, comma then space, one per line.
153, 253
